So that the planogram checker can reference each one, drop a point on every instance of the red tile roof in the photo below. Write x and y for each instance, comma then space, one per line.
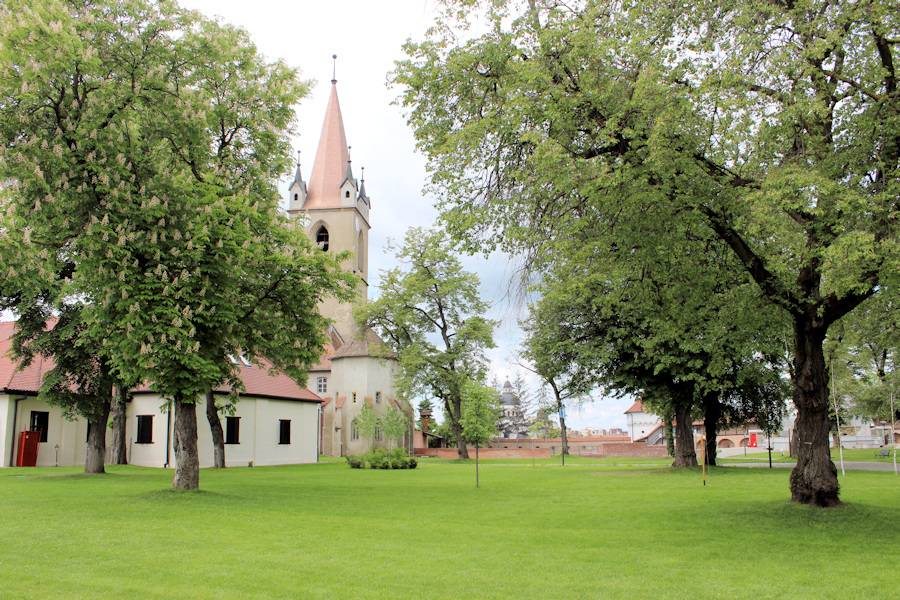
636, 407
257, 380
11, 379
324, 363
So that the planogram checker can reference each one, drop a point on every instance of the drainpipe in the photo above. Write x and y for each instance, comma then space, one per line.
168, 435
320, 422
12, 445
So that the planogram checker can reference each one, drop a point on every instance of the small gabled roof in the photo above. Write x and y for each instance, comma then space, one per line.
369, 345
635, 408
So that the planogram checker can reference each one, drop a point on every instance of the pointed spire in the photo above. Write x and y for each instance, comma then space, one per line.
298, 178
362, 185
331, 157
349, 175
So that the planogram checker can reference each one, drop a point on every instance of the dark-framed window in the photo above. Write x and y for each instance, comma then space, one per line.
144, 429
40, 421
322, 238
232, 430
377, 397
284, 431
378, 433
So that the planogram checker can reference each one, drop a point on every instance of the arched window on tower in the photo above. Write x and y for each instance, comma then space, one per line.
322, 238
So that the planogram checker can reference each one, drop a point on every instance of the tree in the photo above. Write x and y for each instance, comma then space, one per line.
771, 127
142, 168
479, 416
367, 422
866, 353
551, 355
543, 426
80, 382
394, 425
520, 420
430, 315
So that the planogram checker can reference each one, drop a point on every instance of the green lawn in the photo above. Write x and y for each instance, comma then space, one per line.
326, 531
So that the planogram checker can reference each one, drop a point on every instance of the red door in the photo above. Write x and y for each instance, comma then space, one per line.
28, 448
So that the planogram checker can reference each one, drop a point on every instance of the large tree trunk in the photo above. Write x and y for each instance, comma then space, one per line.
712, 413
96, 442
119, 443
215, 426
814, 479
685, 454
456, 414
187, 460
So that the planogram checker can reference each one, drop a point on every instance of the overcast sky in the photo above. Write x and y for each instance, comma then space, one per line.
367, 37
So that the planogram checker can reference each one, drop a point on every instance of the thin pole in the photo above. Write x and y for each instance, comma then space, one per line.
703, 456
893, 443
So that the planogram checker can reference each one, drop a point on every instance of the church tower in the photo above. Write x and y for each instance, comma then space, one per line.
336, 209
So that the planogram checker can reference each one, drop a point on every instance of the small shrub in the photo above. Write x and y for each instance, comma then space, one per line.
380, 458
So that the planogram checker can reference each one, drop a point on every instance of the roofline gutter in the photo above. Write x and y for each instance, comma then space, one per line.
12, 445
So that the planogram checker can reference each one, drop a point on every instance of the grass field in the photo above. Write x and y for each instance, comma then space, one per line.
326, 531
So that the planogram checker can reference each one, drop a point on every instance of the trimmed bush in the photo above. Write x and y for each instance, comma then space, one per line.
380, 458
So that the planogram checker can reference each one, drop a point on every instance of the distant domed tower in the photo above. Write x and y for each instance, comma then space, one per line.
513, 424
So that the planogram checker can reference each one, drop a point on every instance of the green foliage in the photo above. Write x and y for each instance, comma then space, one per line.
140, 169
394, 424
381, 458
863, 354
479, 413
758, 136
430, 315
367, 421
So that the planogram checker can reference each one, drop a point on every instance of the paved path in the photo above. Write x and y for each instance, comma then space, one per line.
848, 464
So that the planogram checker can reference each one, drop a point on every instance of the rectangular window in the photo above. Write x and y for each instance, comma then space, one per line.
232, 430
284, 431
322, 385
377, 433
377, 397
144, 429
40, 421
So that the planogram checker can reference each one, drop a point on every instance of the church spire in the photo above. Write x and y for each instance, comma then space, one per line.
332, 158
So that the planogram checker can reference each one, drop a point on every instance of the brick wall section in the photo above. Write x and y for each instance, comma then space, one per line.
485, 453
622, 450
601, 450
